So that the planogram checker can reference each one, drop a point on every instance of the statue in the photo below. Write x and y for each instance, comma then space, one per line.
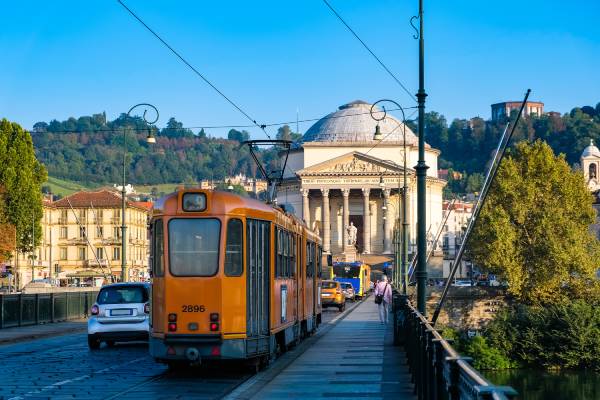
351, 229
316, 228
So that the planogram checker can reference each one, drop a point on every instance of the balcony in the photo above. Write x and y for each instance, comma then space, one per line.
111, 241
63, 221
95, 263
115, 220
79, 240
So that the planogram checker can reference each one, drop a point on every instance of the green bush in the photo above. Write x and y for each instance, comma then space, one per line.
484, 356
563, 335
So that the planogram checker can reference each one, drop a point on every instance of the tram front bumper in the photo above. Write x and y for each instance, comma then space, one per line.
196, 349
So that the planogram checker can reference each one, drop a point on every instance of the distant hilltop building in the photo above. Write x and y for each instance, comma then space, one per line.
249, 184
503, 110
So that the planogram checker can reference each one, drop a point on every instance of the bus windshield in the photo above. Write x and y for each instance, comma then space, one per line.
346, 271
194, 246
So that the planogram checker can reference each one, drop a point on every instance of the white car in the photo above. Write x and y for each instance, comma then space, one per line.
121, 313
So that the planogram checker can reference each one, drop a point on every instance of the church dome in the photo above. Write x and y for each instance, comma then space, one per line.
353, 123
591, 151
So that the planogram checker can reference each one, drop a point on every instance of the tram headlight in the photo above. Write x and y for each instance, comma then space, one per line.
172, 317
214, 317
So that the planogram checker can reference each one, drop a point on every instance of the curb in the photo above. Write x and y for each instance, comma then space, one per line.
42, 335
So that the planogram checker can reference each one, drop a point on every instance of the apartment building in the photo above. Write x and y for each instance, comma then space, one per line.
81, 240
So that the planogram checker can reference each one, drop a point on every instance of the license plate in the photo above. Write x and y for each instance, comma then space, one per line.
121, 311
326, 294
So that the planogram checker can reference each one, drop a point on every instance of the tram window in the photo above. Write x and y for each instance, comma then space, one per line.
233, 248
158, 236
293, 255
194, 246
319, 261
279, 258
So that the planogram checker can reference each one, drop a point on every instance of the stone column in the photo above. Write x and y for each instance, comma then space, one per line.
388, 223
326, 222
306, 207
345, 219
366, 222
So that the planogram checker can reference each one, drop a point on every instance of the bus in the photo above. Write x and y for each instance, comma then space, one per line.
356, 273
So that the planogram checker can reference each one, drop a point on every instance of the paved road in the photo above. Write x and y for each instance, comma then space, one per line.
63, 368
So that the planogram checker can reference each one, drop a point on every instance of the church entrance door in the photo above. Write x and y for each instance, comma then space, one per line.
358, 223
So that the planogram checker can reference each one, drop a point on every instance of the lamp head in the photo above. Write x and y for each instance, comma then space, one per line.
150, 139
377, 136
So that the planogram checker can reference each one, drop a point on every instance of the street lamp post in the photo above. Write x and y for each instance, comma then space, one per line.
150, 139
378, 136
421, 169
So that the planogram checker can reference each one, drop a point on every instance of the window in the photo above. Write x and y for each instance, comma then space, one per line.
63, 216
64, 230
100, 253
99, 216
233, 248
82, 216
117, 232
82, 253
194, 246
123, 295
63, 253
592, 171
157, 256
116, 253
99, 231
310, 259
82, 231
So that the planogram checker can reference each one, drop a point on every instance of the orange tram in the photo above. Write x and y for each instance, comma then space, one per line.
233, 278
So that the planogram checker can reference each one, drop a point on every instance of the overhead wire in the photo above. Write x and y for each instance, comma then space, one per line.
369, 49
230, 126
190, 66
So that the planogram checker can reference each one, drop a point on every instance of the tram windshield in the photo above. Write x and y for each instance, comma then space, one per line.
346, 271
194, 246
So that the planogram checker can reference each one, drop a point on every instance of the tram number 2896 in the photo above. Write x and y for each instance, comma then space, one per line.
193, 308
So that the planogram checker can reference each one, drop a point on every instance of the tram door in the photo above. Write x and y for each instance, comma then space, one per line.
257, 288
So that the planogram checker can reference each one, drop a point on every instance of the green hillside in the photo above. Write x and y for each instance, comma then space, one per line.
64, 187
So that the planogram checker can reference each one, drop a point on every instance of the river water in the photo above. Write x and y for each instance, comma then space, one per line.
542, 385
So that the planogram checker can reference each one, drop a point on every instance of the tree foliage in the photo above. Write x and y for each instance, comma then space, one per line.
534, 228
561, 335
21, 176
90, 150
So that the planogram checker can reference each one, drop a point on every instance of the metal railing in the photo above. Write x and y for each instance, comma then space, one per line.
438, 371
41, 308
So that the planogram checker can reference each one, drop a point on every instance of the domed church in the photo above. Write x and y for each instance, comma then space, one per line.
348, 186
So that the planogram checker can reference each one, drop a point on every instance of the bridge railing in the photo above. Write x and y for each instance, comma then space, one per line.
39, 308
438, 371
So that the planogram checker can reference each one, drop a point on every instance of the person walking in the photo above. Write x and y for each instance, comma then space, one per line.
383, 298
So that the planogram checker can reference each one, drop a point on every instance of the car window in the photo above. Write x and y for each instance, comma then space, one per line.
123, 295
328, 285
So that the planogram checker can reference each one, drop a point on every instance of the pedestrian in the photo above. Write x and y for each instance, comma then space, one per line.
383, 298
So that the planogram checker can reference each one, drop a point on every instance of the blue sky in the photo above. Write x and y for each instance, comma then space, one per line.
70, 58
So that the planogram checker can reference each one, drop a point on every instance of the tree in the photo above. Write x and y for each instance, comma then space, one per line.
22, 176
534, 228
238, 136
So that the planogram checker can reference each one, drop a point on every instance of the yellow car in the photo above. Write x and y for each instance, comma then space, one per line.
332, 296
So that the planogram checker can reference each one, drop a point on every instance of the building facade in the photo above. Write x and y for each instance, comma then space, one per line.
347, 186
453, 234
81, 241
503, 110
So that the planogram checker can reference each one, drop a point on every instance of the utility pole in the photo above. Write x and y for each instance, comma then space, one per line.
421, 169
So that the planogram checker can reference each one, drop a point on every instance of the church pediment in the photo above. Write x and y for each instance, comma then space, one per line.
352, 164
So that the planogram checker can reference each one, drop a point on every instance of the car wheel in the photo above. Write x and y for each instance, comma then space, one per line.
342, 307
93, 343
110, 343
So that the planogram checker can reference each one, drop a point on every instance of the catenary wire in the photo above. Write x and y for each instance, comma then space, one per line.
392, 131
229, 126
368, 49
176, 53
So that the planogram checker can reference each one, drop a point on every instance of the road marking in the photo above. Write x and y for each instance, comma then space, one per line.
79, 378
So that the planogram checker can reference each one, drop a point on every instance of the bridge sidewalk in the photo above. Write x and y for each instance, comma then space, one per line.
355, 359
32, 332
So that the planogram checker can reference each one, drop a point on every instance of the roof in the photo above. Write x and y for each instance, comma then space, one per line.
143, 204
102, 198
591, 151
353, 123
